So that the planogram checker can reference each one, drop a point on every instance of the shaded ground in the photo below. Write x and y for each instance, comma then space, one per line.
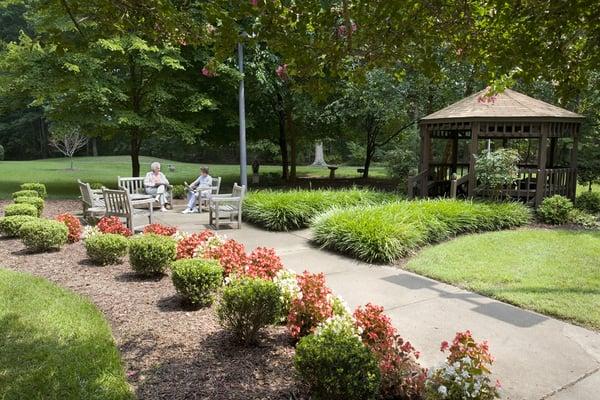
169, 352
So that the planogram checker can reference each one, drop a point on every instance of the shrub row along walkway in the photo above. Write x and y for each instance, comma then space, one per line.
537, 357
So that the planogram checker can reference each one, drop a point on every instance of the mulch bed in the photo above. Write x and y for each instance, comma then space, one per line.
169, 352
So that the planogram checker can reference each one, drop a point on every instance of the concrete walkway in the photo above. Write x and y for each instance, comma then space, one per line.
537, 357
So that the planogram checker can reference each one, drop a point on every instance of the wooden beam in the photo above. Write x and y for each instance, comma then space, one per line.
572, 184
473, 149
425, 159
542, 157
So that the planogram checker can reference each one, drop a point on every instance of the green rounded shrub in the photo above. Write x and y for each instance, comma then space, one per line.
555, 210
151, 254
178, 192
43, 234
247, 305
336, 365
197, 280
107, 248
588, 202
25, 193
96, 186
9, 226
34, 201
20, 209
40, 188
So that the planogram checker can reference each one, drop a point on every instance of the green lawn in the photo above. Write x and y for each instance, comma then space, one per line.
54, 344
554, 272
61, 181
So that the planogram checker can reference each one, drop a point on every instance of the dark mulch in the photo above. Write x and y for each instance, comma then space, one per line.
169, 352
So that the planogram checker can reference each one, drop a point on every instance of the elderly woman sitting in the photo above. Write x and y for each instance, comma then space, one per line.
157, 184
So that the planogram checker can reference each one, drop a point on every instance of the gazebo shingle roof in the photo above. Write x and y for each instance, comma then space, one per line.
508, 104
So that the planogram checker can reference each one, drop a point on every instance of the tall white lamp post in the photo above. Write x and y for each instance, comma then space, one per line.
242, 111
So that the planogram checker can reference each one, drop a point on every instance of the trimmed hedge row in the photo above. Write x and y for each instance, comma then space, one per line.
387, 232
295, 209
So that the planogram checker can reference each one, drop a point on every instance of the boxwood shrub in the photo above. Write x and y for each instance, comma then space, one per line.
25, 193
43, 234
197, 280
106, 248
387, 232
9, 226
151, 254
40, 188
555, 210
21, 209
35, 201
247, 305
588, 202
178, 192
294, 209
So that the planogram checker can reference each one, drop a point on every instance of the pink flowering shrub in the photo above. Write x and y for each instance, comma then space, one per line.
113, 225
465, 374
263, 263
187, 245
312, 307
160, 229
401, 375
231, 255
73, 225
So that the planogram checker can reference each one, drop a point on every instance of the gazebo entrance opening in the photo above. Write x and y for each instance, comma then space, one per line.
545, 137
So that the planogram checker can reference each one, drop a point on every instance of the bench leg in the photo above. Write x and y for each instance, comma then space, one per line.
217, 218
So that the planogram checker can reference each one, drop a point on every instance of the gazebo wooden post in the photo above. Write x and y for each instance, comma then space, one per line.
454, 153
540, 187
425, 154
572, 184
473, 149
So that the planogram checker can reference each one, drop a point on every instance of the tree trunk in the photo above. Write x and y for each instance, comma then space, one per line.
136, 142
282, 139
372, 131
293, 148
94, 147
71, 159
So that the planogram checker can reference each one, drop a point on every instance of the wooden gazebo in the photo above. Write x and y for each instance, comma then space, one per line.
544, 134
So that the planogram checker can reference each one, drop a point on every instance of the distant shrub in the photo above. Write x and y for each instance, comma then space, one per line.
555, 210
9, 226
151, 254
583, 219
34, 201
496, 169
263, 263
1, 153
160, 229
248, 305
231, 256
197, 280
588, 202
25, 193
43, 234
178, 192
188, 245
106, 248
73, 225
113, 225
311, 307
336, 365
387, 232
283, 211
96, 185
20, 209
38, 187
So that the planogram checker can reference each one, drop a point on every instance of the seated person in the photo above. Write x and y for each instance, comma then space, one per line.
201, 187
157, 184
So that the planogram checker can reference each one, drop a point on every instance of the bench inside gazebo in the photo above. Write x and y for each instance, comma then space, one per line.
545, 136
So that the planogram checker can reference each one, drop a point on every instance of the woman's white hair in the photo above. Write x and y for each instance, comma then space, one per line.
154, 165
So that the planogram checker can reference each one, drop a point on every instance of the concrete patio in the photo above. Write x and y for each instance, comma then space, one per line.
538, 357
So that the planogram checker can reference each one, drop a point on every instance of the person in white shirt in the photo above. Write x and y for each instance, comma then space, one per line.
201, 187
157, 184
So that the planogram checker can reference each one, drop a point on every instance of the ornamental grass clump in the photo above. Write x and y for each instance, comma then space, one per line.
25, 193
151, 254
40, 188
43, 234
247, 305
466, 372
197, 280
106, 248
294, 209
37, 202
335, 364
387, 232
9, 226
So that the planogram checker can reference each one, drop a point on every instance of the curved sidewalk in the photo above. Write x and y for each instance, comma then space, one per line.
537, 357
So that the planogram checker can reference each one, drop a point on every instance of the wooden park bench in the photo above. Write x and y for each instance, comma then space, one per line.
227, 206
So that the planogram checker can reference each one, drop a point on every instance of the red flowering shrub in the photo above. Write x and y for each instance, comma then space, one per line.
231, 255
160, 229
401, 375
263, 263
464, 345
73, 224
113, 225
312, 307
186, 246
